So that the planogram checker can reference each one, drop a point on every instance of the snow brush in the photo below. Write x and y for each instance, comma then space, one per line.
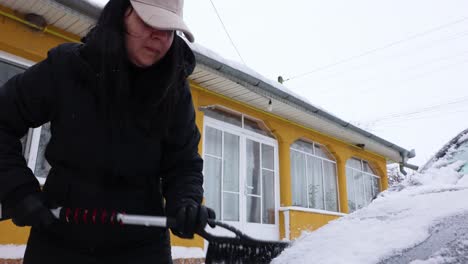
228, 250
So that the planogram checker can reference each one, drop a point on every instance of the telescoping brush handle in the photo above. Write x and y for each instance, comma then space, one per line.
143, 220
102, 216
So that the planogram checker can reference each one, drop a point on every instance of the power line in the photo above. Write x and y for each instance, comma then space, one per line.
227, 33
378, 49
391, 57
438, 115
364, 82
412, 113
416, 76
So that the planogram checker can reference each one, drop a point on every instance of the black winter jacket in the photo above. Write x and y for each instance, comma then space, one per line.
90, 168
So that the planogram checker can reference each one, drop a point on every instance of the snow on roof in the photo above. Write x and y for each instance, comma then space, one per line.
400, 218
245, 69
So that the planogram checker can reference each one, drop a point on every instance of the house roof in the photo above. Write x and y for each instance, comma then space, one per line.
227, 78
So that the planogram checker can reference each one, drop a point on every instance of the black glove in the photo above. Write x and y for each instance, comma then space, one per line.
191, 218
32, 210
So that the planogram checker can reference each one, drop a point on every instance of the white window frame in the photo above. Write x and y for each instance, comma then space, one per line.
245, 134
322, 159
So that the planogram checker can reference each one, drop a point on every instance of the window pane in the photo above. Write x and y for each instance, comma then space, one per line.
322, 152
359, 189
7, 71
230, 206
26, 144
303, 146
268, 197
366, 167
268, 161
254, 126
350, 190
375, 186
354, 163
213, 184
213, 140
368, 188
24, 140
42, 166
225, 116
299, 180
315, 187
231, 163
331, 193
253, 167
253, 209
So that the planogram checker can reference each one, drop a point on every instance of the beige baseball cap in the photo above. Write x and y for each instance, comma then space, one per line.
163, 14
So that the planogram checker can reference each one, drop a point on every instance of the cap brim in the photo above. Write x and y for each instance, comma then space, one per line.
161, 18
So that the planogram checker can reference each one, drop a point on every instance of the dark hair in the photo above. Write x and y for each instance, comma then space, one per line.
150, 106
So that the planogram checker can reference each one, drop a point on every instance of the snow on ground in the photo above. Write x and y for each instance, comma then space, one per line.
187, 252
399, 218
17, 252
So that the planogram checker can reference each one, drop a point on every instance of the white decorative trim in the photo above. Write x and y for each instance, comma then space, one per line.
12, 251
187, 252
310, 210
17, 61
287, 227
36, 137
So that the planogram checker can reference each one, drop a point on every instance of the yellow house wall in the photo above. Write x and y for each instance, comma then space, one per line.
306, 221
11, 234
21, 40
24, 41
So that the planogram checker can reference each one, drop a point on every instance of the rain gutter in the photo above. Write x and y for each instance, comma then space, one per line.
259, 86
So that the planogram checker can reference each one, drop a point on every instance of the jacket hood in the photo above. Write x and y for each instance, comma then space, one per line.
85, 67
188, 55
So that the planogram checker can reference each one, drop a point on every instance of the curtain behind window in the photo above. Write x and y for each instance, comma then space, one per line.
313, 173
299, 180
362, 184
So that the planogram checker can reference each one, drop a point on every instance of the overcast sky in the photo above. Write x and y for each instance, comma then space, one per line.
397, 68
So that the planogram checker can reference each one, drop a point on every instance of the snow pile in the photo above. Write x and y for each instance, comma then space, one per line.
444, 174
399, 218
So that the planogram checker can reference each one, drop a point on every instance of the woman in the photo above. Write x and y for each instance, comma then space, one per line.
123, 138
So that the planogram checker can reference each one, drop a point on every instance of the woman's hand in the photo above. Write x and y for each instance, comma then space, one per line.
31, 211
191, 218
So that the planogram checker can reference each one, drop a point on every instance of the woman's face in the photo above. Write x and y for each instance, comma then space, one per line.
145, 45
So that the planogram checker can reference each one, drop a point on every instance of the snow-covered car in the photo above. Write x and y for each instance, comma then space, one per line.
424, 219
455, 151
